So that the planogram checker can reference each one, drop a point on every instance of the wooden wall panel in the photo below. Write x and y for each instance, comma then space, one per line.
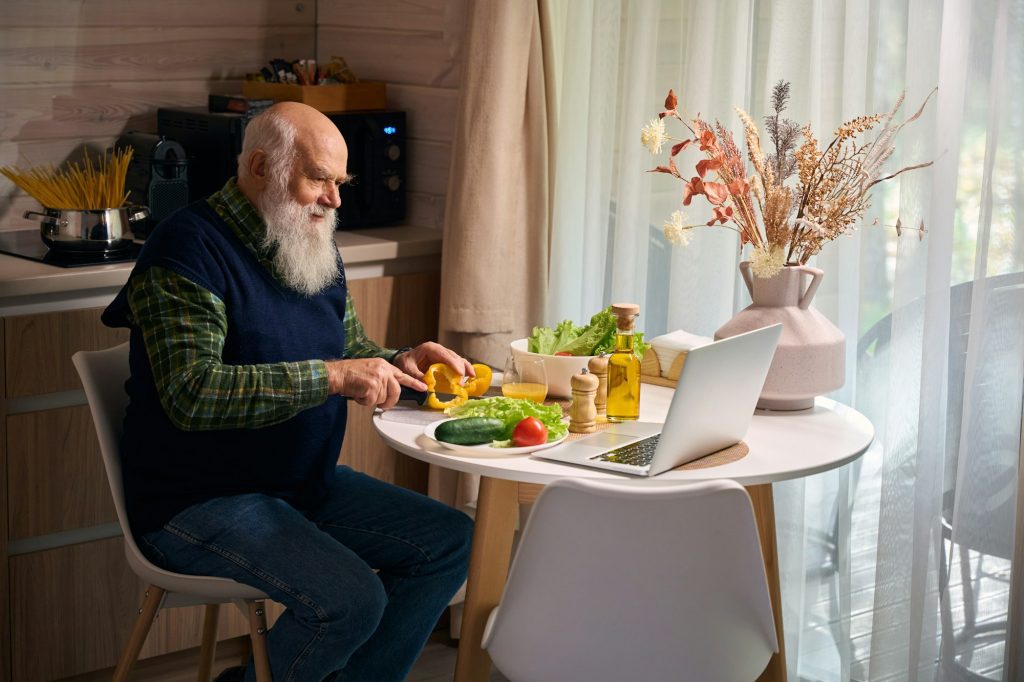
427, 166
77, 110
55, 457
102, 13
412, 56
430, 112
443, 16
39, 349
395, 312
84, 71
83, 55
426, 210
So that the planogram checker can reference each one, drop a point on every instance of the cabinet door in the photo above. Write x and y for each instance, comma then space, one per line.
395, 312
55, 459
39, 349
72, 609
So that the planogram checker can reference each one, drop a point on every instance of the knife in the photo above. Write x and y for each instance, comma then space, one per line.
420, 397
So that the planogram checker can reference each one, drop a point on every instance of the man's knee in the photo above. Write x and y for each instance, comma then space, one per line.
358, 605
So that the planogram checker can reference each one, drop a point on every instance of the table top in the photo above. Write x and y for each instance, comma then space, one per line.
783, 445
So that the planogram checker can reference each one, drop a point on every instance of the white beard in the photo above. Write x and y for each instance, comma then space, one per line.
306, 257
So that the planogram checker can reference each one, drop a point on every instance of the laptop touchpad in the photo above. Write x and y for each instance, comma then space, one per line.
607, 441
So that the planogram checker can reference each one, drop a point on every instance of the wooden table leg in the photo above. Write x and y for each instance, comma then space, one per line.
764, 511
496, 511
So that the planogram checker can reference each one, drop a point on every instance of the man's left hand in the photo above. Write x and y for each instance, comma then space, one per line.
415, 361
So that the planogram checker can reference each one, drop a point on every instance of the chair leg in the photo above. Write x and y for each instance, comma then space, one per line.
209, 646
150, 605
258, 635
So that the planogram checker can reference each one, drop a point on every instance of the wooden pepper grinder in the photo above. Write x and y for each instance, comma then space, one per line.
582, 412
598, 366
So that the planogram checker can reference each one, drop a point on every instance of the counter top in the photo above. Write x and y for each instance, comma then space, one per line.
21, 278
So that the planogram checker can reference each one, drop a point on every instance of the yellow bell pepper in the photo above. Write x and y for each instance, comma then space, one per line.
479, 384
440, 378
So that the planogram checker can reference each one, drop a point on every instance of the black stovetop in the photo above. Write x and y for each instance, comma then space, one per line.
29, 244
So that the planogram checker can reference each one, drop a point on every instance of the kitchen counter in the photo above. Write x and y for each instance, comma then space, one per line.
30, 287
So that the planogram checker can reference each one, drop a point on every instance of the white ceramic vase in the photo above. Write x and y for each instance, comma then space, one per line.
811, 356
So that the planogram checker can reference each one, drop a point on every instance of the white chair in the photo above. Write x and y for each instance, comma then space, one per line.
103, 375
619, 581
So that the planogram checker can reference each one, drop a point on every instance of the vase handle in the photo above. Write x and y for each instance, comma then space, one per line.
816, 275
745, 271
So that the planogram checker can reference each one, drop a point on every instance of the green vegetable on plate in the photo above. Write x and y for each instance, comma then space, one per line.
511, 411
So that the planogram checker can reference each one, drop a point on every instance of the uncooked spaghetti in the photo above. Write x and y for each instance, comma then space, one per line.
84, 186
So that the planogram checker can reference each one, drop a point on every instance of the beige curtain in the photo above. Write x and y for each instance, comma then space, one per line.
495, 254
497, 218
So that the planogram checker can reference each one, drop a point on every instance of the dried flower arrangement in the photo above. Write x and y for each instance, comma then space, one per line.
785, 223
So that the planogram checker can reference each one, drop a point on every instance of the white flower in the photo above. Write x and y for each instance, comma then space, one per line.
767, 262
810, 225
675, 231
652, 135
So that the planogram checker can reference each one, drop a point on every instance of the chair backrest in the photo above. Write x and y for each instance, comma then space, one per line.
620, 581
103, 374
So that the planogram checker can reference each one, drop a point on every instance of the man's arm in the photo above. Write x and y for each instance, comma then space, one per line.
184, 326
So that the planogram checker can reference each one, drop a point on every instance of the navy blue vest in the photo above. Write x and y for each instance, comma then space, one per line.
166, 469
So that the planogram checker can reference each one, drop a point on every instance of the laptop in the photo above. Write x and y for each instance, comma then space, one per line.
710, 410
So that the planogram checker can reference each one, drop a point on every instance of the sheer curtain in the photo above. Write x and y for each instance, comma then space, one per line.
896, 567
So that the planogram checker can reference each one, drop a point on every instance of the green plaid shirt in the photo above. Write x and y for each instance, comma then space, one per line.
184, 327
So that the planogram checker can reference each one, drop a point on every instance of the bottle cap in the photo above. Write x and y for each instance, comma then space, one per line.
624, 313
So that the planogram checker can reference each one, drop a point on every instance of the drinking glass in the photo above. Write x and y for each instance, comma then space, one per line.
524, 378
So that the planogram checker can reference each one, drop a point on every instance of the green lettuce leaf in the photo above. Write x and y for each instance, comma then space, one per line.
600, 329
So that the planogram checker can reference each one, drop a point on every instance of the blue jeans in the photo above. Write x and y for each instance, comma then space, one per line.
341, 616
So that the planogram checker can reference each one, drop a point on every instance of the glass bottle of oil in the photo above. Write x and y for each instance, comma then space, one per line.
624, 367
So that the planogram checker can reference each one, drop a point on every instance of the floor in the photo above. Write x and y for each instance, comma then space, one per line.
821, 661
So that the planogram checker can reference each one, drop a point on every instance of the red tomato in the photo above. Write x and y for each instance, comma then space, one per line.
529, 431
562, 352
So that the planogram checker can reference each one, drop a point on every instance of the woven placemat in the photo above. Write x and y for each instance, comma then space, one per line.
714, 459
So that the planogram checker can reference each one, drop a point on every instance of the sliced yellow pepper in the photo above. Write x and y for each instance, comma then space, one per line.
479, 384
440, 378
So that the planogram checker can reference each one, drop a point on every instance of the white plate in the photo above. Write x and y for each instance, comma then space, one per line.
485, 450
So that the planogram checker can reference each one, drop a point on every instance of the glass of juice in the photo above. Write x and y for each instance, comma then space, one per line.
524, 378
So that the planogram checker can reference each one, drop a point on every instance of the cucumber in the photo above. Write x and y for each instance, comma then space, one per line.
470, 430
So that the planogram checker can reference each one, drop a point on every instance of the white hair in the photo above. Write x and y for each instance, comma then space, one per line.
273, 134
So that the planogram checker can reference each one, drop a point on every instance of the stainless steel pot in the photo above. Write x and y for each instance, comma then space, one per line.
90, 231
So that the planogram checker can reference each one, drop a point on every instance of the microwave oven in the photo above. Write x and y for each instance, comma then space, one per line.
376, 158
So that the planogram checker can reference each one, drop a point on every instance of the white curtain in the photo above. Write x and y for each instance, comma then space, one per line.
896, 567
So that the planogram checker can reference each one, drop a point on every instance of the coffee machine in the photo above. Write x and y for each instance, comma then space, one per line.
157, 177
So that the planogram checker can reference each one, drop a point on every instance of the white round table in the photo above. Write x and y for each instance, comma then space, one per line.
783, 445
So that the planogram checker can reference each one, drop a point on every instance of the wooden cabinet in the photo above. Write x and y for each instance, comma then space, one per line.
67, 599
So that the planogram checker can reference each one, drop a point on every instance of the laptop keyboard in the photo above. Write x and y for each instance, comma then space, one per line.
639, 453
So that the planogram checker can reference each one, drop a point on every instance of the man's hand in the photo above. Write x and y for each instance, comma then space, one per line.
371, 381
414, 362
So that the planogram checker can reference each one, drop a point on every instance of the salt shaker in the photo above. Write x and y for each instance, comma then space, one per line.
583, 412
598, 366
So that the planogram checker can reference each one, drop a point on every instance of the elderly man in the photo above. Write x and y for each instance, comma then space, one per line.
244, 348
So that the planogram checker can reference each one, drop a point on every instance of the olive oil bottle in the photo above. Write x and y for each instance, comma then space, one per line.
624, 367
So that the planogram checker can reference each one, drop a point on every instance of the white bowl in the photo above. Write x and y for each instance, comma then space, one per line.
558, 368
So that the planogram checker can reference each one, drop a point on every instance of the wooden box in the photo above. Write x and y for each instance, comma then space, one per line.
340, 97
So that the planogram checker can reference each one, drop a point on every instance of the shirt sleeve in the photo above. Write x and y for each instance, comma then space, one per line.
357, 345
184, 327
